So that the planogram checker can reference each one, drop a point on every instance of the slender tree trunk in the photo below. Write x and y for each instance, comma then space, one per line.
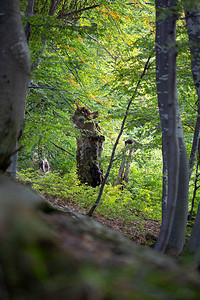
164, 180
162, 93
128, 163
122, 165
177, 236
196, 187
28, 14
12, 169
14, 74
192, 14
195, 142
194, 240
126, 160
173, 227
164, 42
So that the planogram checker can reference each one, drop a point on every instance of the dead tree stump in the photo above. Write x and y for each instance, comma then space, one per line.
44, 165
89, 147
125, 160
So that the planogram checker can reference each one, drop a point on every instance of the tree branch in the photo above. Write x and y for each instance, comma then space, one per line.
146, 67
81, 10
61, 148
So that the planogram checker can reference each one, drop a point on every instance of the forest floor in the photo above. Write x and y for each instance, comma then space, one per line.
143, 231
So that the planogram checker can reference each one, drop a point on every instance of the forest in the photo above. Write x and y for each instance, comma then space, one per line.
99, 152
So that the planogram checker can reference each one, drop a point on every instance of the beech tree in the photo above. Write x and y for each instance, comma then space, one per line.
177, 169
14, 70
175, 198
192, 16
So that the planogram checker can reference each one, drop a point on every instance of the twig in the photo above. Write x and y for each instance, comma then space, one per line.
17, 150
80, 10
61, 148
94, 39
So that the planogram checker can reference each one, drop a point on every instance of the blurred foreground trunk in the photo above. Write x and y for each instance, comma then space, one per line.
53, 254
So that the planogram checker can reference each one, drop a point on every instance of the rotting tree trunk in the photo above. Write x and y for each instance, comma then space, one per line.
128, 162
89, 147
121, 168
124, 161
14, 73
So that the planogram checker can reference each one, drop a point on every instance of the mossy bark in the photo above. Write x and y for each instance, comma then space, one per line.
89, 147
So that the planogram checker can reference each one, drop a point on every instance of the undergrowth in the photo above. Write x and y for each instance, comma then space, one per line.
116, 201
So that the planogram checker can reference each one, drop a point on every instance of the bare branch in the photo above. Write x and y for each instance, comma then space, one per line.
80, 10
61, 148
146, 67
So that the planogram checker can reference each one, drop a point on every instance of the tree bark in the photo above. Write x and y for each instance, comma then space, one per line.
125, 160
194, 240
196, 187
164, 180
172, 232
12, 169
14, 73
121, 168
128, 163
192, 15
28, 14
89, 147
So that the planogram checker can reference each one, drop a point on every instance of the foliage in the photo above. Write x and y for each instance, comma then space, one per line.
94, 59
129, 204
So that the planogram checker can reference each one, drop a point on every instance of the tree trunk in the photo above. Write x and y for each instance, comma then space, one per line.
121, 168
192, 15
12, 169
194, 240
128, 162
89, 147
172, 233
177, 237
14, 73
196, 187
164, 180
28, 14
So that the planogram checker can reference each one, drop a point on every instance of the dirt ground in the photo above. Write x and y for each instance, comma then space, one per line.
142, 232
